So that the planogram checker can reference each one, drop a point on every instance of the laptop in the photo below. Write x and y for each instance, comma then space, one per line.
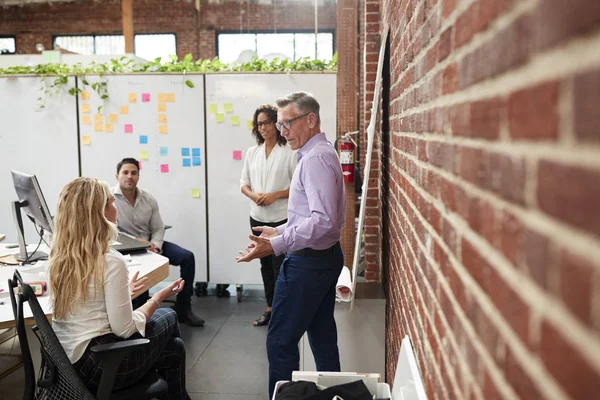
127, 244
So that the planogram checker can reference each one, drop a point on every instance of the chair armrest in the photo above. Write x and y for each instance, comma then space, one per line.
168, 227
111, 355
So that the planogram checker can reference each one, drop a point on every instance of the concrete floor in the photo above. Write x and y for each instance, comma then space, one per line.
226, 359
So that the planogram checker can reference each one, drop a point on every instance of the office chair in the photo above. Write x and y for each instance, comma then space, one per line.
57, 377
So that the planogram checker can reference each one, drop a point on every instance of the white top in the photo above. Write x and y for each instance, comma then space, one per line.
109, 310
267, 175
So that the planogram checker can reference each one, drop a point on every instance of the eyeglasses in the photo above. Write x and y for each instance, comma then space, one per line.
287, 124
263, 123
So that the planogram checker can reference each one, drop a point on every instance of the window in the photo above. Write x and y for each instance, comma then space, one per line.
7, 45
293, 45
150, 47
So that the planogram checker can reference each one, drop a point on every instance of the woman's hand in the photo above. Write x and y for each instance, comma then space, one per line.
137, 284
169, 291
266, 199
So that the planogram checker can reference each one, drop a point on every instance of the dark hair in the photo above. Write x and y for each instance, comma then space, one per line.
271, 112
128, 160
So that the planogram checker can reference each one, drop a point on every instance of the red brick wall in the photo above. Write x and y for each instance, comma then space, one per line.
494, 196
37, 23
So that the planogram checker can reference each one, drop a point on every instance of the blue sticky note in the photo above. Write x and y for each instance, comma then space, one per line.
196, 152
185, 152
186, 162
164, 151
196, 161
143, 139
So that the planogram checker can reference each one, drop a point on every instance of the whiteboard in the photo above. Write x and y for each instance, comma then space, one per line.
185, 130
39, 141
228, 208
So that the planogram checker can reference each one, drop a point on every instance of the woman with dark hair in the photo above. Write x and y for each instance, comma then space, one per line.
266, 178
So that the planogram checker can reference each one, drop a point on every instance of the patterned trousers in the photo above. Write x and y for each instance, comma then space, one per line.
165, 354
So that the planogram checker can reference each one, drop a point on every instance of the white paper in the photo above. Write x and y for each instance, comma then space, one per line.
343, 289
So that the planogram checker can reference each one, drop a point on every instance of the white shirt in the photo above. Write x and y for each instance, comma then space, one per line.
267, 175
108, 310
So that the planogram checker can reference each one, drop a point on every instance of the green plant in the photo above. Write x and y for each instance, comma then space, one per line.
54, 77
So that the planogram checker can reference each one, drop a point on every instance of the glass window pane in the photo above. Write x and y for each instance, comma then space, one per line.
281, 44
232, 44
110, 44
325, 46
305, 45
7, 45
76, 44
150, 47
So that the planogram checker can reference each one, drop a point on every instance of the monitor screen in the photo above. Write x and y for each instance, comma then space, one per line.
32, 199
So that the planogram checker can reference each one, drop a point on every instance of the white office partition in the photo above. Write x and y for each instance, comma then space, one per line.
41, 141
231, 100
158, 120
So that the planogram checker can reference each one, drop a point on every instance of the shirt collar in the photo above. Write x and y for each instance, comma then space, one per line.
117, 191
312, 142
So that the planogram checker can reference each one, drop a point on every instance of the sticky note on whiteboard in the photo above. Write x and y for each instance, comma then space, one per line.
143, 155
164, 151
132, 97
220, 118
162, 129
162, 107
164, 168
235, 120
237, 154
143, 139
108, 128
85, 95
128, 128
162, 118
228, 107
195, 193
186, 162
85, 108
86, 140
98, 127
145, 97
124, 110
213, 108
86, 120
250, 124
112, 118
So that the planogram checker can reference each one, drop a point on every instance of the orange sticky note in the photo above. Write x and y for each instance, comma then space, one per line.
112, 117
85, 95
162, 107
85, 108
163, 129
170, 97
162, 118
98, 127
86, 120
108, 128
132, 97
124, 110
86, 140
97, 118
162, 98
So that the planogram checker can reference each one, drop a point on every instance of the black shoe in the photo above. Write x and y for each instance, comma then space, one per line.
188, 317
222, 291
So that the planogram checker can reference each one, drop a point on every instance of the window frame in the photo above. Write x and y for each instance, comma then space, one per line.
94, 35
14, 38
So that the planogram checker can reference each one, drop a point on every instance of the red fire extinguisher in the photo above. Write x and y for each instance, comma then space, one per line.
347, 147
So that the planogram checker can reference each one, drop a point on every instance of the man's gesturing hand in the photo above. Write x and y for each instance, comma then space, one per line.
258, 248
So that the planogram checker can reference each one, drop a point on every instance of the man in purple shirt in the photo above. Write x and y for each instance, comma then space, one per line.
305, 289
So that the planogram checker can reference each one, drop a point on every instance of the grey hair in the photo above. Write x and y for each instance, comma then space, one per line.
304, 102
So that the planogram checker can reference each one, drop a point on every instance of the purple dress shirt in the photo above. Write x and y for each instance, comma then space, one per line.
317, 203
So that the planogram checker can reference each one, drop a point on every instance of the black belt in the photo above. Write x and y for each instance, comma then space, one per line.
315, 253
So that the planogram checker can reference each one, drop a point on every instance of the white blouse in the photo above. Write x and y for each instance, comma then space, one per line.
267, 175
108, 310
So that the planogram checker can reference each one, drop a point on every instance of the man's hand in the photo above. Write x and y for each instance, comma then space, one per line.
266, 199
258, 248
137, 284
153, 248
267, 231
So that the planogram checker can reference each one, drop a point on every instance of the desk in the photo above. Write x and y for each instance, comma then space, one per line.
152, 265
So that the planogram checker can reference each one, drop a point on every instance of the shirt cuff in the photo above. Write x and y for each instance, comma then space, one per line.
139, 319
278, 245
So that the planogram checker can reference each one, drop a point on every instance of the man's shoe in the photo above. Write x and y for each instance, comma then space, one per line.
189, 318
222, 290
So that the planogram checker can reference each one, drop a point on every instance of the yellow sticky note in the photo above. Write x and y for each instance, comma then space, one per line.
144, 155
162, 107
97, 118
86, 140
163, 129
228, 107
195, 193
85, 95
213, 108
170, 98
162, 118
220, 118
98, 127
249, 124
124, 110
162, 98
86, 120
235, 120
108, 128
132, 97
85, 108
112, 117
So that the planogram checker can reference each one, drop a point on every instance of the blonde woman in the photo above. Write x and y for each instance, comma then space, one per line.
91, 295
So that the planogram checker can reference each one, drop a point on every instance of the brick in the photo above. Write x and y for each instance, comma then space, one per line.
537, 257
511, 237
447, 7
570, 193
449, 79
485, 329
466, 25
532, 112
514, 310
460, 119
473, 165
521, 383
482, 219
485, 118
586, 118
475, 265
442, 155
579, 380
506, 177
445, 47
576, 285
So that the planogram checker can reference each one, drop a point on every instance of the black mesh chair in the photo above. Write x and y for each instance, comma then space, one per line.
57, 378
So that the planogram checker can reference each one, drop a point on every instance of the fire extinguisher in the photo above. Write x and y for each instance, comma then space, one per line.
347, 147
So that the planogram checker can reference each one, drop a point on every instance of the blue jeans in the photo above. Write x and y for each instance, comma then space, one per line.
304, 301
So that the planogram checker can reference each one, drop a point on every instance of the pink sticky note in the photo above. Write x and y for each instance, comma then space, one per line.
145, 97
140, 164
128, 128
164, 168
237, 154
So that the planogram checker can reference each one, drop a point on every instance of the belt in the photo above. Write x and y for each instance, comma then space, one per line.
315, 253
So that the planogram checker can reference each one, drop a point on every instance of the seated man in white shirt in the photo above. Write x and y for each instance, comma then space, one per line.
139, 216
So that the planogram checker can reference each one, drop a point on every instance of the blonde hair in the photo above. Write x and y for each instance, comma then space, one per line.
81, 239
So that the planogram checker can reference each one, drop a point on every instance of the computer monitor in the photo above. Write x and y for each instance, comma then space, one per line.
31, 201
